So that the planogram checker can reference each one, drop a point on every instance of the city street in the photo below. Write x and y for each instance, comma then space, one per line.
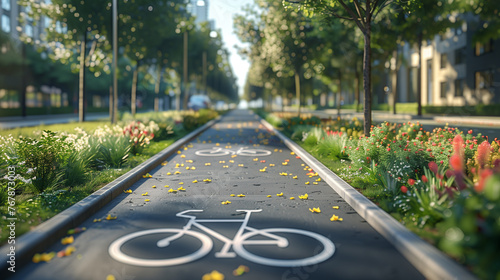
235, 195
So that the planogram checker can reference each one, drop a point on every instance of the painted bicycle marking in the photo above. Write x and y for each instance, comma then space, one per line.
243, 151
245, 237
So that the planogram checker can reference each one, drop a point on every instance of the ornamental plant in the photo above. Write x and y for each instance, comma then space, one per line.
140, 135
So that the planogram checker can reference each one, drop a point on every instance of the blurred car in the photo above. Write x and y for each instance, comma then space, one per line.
197, 102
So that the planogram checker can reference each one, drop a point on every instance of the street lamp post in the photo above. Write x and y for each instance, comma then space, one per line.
115, 57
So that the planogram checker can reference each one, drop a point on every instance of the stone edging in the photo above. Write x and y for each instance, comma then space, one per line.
431, 262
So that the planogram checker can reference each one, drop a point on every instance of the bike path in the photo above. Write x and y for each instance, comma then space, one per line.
359, 251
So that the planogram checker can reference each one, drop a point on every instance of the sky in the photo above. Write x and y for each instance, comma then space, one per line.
222, 12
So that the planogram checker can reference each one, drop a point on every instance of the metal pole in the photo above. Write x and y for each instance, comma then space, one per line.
204, 64
115, 57
186, 97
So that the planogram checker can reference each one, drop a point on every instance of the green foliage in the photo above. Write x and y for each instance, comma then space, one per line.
113, 151
333, 146
44, 158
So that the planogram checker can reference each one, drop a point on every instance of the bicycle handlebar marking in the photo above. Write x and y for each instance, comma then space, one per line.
272, 235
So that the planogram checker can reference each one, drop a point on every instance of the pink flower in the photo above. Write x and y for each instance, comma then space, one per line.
411, 182
483, 153
458, 145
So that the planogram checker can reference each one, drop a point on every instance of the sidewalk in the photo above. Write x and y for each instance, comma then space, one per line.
14, 122
386, 116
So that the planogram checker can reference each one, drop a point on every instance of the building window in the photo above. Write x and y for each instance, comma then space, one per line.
6, 5
444, 89
484, 80
28, 30
459, 87
460, 55
444, 60
5, 23
482, 48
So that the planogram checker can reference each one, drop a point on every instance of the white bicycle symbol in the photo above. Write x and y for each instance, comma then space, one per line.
240, 240
243, 151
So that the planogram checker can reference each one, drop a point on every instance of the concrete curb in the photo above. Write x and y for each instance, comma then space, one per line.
468, 121
431, 262
50, 231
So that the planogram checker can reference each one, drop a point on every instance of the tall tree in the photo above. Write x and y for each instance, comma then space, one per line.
74, 26
363, 13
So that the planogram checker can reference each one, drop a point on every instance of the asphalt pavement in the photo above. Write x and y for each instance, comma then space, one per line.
235, 195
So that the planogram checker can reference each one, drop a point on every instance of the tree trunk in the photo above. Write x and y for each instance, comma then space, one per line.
185, 59
339, 94
81, 87
367, 79
283, 96
133, 94
23, 81
394, 80
357, 94
297, 91
157, 88
419, 76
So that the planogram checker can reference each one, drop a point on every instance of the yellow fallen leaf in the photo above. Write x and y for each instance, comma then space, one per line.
187, 167
144, 194
242, 269
195, 181
181, 189
292, 153
179, 152
294, 177
168, 173
177, 172
193, 168
183, 156
164, 163
315, 210
307, 183
222, 161
241, 165
241, 195
226, 202
315, 183
335, 207
128, 191
319, 179
231, 161
336, 218
208, 164
154, 187
272, 165
109, 217
292, 198
147, 176
305, 196
110, 277
280, 194
181, 183
147, 200
97, 220
232, 195
269, 195
172, 191
67, 240
167, 186
255, 159
207, 180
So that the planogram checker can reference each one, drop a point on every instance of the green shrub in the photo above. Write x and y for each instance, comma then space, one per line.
44, 158
113, 151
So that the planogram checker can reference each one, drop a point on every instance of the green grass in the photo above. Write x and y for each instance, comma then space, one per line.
66, 127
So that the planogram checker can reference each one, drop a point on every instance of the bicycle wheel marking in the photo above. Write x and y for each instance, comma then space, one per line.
272, 238
218, 152
328, 249
116, 253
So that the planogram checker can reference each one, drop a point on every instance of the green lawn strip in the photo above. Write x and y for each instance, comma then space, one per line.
33, 209
66, 127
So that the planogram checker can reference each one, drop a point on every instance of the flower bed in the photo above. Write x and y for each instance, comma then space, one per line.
44, 174
443, 184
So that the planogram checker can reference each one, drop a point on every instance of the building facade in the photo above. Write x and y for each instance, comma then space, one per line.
454, 70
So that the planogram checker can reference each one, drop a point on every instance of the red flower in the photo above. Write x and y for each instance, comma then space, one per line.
483, 152
424, 179
456, 162
411, 182
433, 167
404, 189
458, 145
